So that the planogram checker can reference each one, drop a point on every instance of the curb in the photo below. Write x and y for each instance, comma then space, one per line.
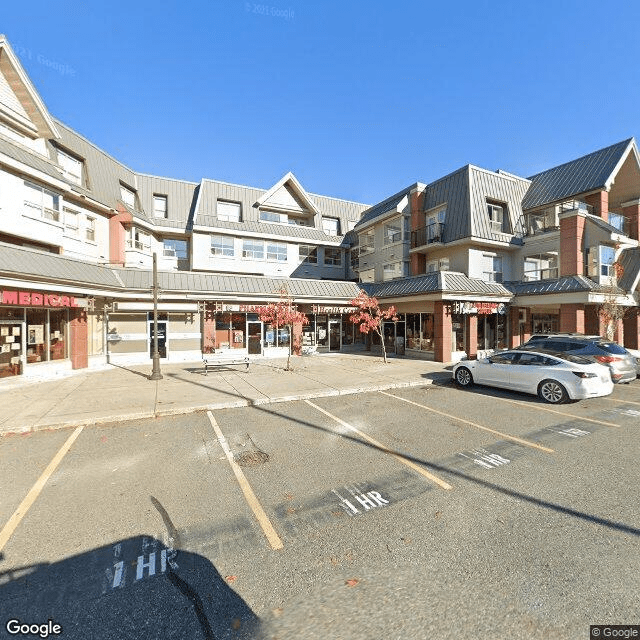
233, 404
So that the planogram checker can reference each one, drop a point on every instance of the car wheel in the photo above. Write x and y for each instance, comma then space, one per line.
464, 377
552, 392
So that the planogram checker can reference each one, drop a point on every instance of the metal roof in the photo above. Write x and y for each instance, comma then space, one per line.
564, 284
383, 207
630, 262
438, 281
585, 174
20, 261
30, 158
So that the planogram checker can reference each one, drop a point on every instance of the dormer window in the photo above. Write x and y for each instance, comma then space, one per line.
496, 212
229, 211
128, 196
160, 209
331, 226
71, 167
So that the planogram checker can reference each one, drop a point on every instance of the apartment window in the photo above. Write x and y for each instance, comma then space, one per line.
139, 240
438, 265
393, 231
277, 251
495, 211
366, 241
160, 206
41, 202
332, 256
531, 270
495, 275
128, 196
229, 211
222, 246
391, 271
71, 222
71, 167
253, 249
90, 229
331, 226
607, 258
308, 253
272, 216
174, 248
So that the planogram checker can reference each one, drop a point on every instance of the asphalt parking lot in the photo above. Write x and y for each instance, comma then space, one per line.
420, 512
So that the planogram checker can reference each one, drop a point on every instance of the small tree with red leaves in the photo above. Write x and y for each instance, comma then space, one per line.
283, 314
370, 317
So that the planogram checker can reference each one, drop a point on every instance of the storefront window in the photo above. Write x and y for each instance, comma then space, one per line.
544, 323
238, 327
57, 334
419, 331
309, 332
322, 331
457, 332
37, 336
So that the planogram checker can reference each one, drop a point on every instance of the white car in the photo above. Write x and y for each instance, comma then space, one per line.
636, 354
553, 377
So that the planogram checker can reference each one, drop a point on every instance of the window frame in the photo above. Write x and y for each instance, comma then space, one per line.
331, 261
65, 160
225, 217
90, 228
162, 198
391, 238
128, 191
331, 219
277, 255
50, 214
309, 258
254, 253
71, 231
225, 249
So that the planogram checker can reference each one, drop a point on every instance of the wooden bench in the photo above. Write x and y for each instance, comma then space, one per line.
215, 360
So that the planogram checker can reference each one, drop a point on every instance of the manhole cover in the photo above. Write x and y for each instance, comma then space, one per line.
252, 458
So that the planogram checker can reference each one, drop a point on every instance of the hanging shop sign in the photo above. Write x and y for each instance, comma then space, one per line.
481, 308
33, 299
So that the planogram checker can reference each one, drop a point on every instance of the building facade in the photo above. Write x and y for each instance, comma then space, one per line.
474, 261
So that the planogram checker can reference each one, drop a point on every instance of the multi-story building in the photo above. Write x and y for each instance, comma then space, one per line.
494, 257
474, 261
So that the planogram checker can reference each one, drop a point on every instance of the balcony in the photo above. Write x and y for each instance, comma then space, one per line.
620, 222
533, 275
430, 234
545, 220
492, 276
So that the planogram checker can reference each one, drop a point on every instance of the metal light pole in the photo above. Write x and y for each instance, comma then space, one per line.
155, 372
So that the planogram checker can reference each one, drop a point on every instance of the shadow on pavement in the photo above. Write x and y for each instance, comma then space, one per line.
134, 588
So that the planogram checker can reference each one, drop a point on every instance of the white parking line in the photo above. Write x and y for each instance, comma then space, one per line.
441, 483
620, 400
253, 502
30, 498
475, 425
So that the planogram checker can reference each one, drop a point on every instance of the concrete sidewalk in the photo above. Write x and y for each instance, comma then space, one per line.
119, 393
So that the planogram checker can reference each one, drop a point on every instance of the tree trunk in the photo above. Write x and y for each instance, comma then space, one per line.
290, 327
384, 351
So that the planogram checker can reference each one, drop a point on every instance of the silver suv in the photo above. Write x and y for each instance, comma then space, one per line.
622, 365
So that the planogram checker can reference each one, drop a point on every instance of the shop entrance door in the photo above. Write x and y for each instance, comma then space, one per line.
11, 334
162, 338
334, 335
254, 338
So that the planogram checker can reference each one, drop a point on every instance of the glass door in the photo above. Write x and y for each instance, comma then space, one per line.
334, 335
254, 336
11, 334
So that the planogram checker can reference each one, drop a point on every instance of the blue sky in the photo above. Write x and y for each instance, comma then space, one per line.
357, 99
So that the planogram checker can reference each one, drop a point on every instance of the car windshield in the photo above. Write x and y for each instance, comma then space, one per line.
612, 347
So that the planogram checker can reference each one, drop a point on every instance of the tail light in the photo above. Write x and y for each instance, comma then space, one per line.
607, 359
584, 374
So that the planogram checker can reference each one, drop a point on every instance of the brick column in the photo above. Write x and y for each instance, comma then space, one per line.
417, 261
442, 330
571, 240
572, 318
632, 329
631, 210
618, 331
514, 327
209, 332
418, 264
117, 235
79, 339
471, 346
600, 203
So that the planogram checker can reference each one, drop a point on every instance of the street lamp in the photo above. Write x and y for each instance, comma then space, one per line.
155, 372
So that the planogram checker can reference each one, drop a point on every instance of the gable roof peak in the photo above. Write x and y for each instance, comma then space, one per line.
292, 181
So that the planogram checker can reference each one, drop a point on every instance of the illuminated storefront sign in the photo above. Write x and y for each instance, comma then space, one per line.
33, 299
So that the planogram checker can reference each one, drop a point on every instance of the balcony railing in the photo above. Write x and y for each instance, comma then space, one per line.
540, 274
433, 232
547, 219
492, 276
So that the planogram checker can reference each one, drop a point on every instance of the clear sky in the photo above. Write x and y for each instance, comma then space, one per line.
358, 99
